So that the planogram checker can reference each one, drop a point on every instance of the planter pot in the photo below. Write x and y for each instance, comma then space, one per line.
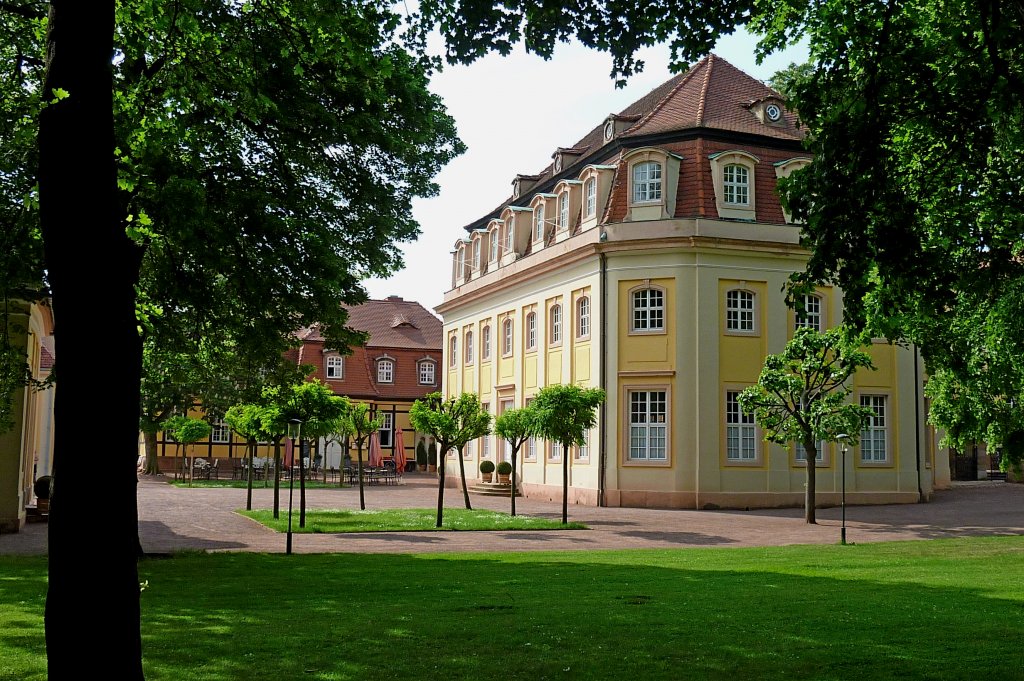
43, 505
431, 468
486, 477
504, 479
422, 467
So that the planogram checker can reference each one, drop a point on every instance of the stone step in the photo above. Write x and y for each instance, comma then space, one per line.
493, 489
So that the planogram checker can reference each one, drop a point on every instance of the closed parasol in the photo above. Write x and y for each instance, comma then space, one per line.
399, 451
376, 456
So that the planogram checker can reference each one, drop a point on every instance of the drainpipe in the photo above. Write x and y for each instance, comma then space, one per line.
917, 428
603, 446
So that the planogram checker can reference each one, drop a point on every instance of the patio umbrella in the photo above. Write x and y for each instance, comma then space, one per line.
376, 456
399, 451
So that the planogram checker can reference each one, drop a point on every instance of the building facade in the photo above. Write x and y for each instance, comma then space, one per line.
650, 259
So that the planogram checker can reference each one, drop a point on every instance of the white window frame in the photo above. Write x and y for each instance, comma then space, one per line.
874, 439
538, 222
387, 429
468, 347
563, 210
582, 452
648, 317
494, 243
220, 432
814, 313
334, 367
508, 235
736, 185
647, 434
556, 325
800, 454
590, 192
476, 254
453, 351
583, 317
485, 343
385, 370
740, 431
507, 333
427, 372
531, 331
740, 311
647, 177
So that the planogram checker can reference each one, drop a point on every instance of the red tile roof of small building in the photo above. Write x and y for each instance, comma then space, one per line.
391, 323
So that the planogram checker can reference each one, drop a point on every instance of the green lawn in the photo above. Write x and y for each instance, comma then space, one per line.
943, 609
332, 521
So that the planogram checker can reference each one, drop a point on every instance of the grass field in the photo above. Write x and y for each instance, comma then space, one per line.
332, 521
942, 609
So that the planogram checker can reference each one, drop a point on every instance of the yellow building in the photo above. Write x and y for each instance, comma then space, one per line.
649, 259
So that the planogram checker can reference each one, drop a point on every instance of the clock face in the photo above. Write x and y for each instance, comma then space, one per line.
609, 130
773, 112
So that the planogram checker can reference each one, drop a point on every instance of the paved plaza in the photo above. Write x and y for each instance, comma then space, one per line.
174, 519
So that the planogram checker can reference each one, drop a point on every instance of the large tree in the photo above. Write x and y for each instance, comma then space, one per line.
802, 396
247, 163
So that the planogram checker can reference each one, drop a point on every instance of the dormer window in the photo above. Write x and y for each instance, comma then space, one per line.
493, 241
385, 371
736, 185
335, 367
563, 210
538, 222
590, 192
733, 177
647, 182
476, 254
508, 235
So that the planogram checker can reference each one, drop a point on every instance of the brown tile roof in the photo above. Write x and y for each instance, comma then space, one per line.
391, 323
714, 94
711, 94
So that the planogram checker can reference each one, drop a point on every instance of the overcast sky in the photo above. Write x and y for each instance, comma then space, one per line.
512, 113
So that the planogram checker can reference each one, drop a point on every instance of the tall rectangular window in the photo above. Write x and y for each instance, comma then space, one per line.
506, 337
493, 238
426, 373
583, 317
811, 317
531, 331
563, 210
591, 192
387, 429
385, 371
648, 425
874, 437
648, 310
508, 236
476, 254
736, 185
739, 311
485, 343
556, 324
583, 451
538, 223
740, 439
221, 433
800, 452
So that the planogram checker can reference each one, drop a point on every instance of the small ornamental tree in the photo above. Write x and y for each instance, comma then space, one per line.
452, 422
564, 413
246, 420
801, 394
516, 427
187, 431
362, 427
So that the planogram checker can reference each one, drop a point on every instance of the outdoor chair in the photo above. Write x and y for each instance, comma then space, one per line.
214, 470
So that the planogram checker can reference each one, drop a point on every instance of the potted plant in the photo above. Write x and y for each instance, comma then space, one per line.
421, 455
486, 470
432, 457
504, 471
42, 489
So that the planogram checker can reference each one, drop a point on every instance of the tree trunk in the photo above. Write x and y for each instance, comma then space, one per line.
440, 488
359, 463
565, 483
94, 311
251, 448
515, 457
277, 478
302, 486
152, 467
811, 451
462, 474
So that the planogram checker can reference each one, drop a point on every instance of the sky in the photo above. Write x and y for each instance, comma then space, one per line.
508, 130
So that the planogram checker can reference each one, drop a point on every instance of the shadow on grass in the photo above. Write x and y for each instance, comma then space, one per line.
913, 610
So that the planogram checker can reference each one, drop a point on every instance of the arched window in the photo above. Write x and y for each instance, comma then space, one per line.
506, 337
812, 317
538, 222
485, 343
427, 372
469, 347
590, 191
494, 242
508, 236
647, 311
385, 371
583, 317
531, 331
736, 185
556, 323
476, 254
453, 345
335, 366
647, 182
739, 311
563, 210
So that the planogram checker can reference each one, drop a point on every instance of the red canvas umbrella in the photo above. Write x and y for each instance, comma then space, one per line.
376, 456
399, 451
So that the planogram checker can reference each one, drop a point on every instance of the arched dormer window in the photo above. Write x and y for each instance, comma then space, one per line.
563, 210
385, 370
538, 222
595, 185
477, 244
334, 367
493, 241
653, 175
590, 198
734, 180
785, 169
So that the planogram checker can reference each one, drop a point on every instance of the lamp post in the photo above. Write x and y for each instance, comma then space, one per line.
842, 532
294, 433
